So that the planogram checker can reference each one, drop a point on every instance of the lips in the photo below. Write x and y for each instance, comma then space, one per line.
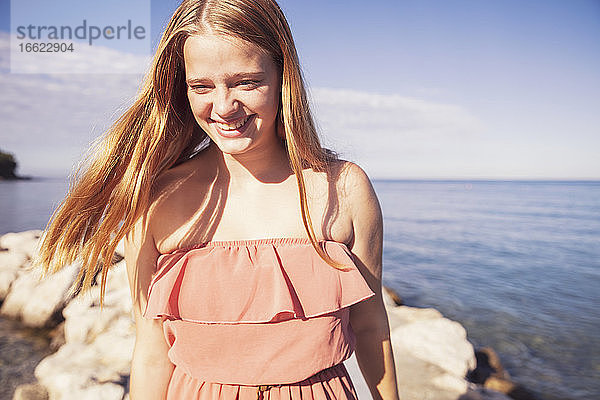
234, 126
233, 129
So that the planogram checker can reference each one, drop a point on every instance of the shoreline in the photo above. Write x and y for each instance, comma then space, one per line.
22, 350
432, 352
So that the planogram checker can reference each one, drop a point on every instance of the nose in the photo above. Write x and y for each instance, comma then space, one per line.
225, 105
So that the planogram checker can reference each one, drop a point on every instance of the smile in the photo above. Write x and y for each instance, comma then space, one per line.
236, 129
232, 127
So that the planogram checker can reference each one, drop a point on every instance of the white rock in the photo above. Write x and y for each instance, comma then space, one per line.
24, 242
99, 344
387, 299
115, 348
50, 296
35, 300
11, 263
7, 277
107, 391
438, 341
402, 315
12, 259
21, 291
450, 383
480, 393
76, 371
84, 320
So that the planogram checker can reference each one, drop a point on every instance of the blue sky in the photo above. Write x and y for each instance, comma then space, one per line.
444, 88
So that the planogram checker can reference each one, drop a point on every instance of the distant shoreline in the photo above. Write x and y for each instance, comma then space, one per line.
16, 178
32, 178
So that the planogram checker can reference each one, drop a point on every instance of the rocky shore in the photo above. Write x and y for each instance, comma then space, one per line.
93, 347
8, 166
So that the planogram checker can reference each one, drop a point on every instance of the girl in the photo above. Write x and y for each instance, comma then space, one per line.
254, 255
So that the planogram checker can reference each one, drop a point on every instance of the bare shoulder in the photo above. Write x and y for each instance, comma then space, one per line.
367, 221
171, 184
141, 249
166, 191
175, 188
359, 194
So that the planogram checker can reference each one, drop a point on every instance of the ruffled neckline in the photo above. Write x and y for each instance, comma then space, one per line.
251, 242
254, 281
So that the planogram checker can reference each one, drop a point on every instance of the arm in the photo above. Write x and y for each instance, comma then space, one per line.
368, 318
151, 369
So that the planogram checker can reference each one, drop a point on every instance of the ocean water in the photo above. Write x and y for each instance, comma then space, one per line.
28, 204
516, 262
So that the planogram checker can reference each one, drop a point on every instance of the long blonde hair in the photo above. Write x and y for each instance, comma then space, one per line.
159, 131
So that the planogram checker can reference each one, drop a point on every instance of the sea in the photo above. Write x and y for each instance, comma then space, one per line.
516, 262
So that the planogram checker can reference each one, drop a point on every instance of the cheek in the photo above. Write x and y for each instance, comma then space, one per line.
266, 104
199, 107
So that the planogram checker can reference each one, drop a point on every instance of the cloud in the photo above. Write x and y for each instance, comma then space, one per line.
49, 120
393, 135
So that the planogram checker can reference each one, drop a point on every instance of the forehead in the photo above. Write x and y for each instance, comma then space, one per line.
213, 56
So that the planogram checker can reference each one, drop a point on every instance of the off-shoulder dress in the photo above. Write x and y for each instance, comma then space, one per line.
257, 319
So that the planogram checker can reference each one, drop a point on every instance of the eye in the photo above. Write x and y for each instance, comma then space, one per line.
249, 83
198, 88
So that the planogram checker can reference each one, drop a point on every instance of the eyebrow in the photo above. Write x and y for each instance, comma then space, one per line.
238, 75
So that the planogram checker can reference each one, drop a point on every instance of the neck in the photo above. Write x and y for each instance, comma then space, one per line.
268, 164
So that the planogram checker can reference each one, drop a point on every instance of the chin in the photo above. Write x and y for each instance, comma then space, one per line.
240, 147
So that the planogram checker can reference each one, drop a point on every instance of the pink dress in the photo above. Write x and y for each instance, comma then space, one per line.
257, 319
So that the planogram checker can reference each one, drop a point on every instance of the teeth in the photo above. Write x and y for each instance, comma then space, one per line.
227, 127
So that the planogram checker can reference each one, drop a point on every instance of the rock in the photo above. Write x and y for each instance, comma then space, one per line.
107, 391
57, 337
479, 393
37, 301
95, 346
19, 294
7, 277
511, 389
84, 320
432, 354
402, 315
450, 383
115, 348
11, 263
419, 380
12, 259
392, 298
488, 364
78, 371
24, 242
498, 384
95, 361
440, 342
491, 374
30, 391
8, 166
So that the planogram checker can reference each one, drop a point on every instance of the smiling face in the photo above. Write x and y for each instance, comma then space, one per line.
233, 90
